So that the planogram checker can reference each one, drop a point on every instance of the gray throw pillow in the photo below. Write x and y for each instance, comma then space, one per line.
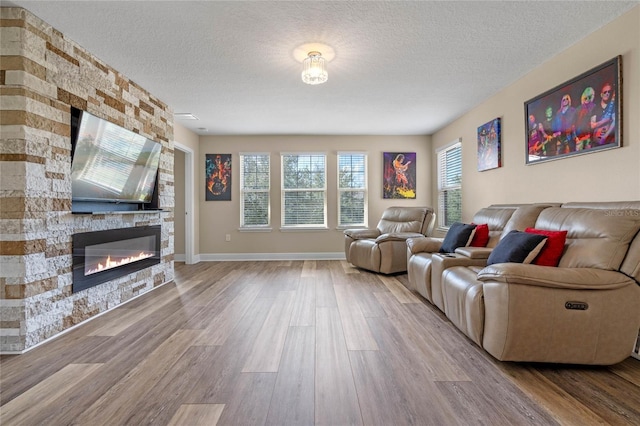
517, 247
459, 235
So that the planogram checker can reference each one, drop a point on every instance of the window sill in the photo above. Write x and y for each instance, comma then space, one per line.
343, 227
255, 229
303, 229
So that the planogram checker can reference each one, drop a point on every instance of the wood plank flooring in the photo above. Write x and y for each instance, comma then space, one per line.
295, 343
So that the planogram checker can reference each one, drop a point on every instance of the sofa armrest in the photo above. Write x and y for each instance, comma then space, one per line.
440, 262
475, 252
547, 276
360, 234
397, 236
423, 244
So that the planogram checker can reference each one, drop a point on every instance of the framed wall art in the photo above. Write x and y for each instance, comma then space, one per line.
399, 175
489, 145
217, 177
579, 116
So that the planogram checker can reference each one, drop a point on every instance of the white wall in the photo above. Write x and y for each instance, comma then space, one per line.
191, 141
219, 218
179, 206
603, 176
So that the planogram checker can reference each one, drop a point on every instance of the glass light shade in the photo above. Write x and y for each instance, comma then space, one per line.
313, 70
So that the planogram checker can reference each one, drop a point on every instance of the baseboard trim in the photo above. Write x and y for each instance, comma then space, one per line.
231, 257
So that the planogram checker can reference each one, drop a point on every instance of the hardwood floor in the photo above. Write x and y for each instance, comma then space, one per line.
295, 343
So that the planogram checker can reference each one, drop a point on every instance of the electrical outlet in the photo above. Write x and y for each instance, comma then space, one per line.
227, 237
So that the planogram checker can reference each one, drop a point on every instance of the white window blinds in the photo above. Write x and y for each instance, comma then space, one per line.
304, 202
352, 189
450, 185
254, 190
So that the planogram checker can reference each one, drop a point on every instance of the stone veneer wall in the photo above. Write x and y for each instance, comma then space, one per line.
42, 75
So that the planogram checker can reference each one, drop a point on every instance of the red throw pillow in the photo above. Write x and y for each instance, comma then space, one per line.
481, 237
553, 249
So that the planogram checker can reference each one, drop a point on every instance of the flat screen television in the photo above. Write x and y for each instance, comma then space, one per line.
111, 164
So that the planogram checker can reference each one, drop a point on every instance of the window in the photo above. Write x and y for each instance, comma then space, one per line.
304, 188
254, 190
450, 185
352, 189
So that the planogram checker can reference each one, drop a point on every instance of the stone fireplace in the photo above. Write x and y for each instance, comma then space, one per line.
44, 74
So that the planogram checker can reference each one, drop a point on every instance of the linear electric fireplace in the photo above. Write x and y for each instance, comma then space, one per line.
103, 256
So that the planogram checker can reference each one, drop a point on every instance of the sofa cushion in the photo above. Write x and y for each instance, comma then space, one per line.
553, 248
496, 217
596, 238
524, 217
518, 247
405, 219
459, 235
481, 236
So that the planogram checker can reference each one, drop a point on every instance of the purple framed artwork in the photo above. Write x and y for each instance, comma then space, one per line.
489, 145
399, 175
217, 177
580, 116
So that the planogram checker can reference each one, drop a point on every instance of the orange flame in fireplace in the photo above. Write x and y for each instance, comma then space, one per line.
109, 264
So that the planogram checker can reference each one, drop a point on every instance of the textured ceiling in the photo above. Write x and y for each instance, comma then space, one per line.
400, 67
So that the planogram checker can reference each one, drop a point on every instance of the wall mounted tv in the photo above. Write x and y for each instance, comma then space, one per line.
110, 165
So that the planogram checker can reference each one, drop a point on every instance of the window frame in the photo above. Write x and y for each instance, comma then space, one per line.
444, 187
364, 189
323, 190
243, 191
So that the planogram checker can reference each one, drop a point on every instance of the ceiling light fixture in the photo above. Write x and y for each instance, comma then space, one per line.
313, 69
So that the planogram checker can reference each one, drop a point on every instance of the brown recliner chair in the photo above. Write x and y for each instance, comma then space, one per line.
384, 249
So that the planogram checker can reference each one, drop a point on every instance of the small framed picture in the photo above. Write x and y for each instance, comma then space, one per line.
399, 175
489, 145
217, 177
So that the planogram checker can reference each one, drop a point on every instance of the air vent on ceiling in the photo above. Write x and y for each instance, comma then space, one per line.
185, 116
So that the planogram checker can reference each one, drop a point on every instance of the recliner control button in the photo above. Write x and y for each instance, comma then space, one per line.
580, 306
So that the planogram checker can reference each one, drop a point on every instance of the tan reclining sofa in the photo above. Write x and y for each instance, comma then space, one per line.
424, 269
584, 311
